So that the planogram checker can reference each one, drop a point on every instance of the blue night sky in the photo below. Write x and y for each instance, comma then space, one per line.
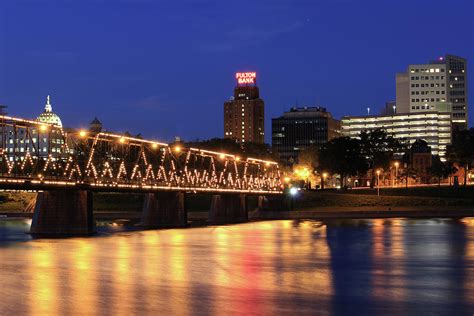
164, 68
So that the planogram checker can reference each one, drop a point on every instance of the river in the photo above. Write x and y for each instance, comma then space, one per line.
387, 266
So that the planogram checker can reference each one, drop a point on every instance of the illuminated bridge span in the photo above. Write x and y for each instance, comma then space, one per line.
44, 156
69, 165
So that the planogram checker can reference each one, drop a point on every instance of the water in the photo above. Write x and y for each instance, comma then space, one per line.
279, 267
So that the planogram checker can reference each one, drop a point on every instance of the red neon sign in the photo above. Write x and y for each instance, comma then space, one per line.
246, 77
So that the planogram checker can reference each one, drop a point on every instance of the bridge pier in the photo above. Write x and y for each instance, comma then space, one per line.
164, 209
59, 213
228, 208
273, 203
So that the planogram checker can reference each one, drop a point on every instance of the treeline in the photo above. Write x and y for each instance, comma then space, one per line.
377, 150
230, 146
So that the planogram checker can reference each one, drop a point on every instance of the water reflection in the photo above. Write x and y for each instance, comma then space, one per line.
256, 268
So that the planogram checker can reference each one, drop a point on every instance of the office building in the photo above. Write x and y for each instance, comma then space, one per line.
300, 128
244, 113
434, 127
440, 85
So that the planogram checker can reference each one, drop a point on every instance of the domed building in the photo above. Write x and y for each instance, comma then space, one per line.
50, 141
48, 116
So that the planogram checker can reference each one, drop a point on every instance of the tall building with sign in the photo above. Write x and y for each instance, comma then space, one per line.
440, 85
244, 113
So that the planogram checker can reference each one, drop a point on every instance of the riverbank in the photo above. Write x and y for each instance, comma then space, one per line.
365, 212
428, 202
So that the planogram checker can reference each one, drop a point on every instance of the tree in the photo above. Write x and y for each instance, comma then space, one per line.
307, 164
461, 150
230, 146
438, 168
342, 156
258, 150
379, 147
226, 145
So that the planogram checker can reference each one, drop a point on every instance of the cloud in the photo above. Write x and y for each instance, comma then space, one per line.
250, 36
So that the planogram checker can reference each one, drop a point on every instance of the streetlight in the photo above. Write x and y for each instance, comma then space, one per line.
396, 173
325, 175
82, 133
378, 182
293, 193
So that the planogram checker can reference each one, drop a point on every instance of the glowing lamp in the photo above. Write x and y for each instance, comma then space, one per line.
287, 179
154, 145
177, 149
237, 158
122, 140
222, 156
293, 191
82, 133
43, 128
325, 175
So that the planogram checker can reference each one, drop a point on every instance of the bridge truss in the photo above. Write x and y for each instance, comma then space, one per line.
35, 155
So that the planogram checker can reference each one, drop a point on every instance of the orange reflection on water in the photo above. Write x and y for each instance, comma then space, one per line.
84, 281
388, 246
178, 272
43, 280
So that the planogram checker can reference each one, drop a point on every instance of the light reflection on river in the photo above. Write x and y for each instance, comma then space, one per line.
357, 266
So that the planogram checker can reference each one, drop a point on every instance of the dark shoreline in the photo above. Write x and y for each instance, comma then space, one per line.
313, 213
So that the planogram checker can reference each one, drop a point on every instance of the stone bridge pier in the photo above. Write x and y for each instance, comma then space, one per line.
164, 209
228, 208
273, 203
59, 213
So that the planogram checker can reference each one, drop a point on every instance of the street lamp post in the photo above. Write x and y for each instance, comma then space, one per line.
324, 178
293, 193
396, 173
378, 182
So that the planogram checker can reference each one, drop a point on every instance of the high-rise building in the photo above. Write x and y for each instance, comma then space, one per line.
440, 85
244, 113
301, 128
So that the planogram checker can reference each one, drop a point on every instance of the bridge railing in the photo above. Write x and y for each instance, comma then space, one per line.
43, 153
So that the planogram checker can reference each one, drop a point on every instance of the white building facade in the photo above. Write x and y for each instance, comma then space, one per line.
42, 142
432, 126
438, 86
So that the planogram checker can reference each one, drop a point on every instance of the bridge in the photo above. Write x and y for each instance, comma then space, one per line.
67, 166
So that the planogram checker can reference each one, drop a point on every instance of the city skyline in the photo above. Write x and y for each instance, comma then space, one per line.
135, 87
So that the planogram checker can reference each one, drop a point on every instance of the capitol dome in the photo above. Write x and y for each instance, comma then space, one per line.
48, 116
